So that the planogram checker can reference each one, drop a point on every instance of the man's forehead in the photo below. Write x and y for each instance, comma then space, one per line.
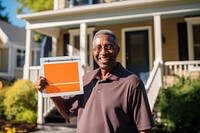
104, 38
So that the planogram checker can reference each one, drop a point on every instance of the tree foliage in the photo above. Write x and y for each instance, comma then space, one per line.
3, 17
35, 5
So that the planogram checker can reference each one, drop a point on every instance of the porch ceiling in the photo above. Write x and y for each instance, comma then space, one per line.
110, 13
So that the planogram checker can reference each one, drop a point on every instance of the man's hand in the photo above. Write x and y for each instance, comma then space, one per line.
41, 83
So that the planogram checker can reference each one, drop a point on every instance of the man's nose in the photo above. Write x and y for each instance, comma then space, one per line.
103, 50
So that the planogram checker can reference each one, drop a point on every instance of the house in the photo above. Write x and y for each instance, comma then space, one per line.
12, 51
158, 38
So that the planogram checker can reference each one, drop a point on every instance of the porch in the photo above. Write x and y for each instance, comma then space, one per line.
161, 75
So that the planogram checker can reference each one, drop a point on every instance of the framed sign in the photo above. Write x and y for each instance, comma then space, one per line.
63, 75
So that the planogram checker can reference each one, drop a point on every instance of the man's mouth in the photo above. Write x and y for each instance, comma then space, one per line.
104, 59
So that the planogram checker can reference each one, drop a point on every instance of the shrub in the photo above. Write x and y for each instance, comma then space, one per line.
27, 116
21, 101
2, 107
179, 106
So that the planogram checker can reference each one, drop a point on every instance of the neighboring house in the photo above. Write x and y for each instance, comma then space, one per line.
151, 34
12, 51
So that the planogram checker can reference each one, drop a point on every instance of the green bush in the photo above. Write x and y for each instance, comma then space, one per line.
179, 106
21, 101
2, 107
27, 116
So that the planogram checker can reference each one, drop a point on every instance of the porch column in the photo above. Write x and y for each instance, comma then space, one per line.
10, 60
28, 54
40, 119
54, 46
158, 38
158, 46
83, 46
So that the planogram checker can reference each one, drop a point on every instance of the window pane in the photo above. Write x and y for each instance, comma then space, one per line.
197, 53
77, 42
20, 58
196, 34
196, 41
81, 2
137, 48
18, 50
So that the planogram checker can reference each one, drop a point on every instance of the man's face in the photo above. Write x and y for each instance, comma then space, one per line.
105, 52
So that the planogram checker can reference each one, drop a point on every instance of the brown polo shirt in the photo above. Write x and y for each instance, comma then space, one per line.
117, 104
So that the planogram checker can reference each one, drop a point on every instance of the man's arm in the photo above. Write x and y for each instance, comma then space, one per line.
59, 102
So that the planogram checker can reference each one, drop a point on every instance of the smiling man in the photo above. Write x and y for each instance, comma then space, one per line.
114, 99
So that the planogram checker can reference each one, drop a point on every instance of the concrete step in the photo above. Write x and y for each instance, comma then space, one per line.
56, 128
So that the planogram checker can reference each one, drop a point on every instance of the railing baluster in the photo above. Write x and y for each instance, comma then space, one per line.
175, 69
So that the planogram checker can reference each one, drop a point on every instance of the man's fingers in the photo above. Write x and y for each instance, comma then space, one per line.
41, 83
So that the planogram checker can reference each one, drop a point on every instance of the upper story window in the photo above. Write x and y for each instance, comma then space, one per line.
20, 58
60, 4
81, 2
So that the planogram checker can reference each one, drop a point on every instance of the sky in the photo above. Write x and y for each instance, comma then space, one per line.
10, 9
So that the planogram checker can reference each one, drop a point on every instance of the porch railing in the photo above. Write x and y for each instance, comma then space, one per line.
45, 105
176, 69
154, 83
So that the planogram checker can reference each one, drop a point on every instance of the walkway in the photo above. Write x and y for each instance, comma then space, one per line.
56, 128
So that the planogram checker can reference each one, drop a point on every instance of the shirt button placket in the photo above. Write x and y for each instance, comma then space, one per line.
98, 88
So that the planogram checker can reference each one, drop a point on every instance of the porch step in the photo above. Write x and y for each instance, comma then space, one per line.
56, 118
56, 128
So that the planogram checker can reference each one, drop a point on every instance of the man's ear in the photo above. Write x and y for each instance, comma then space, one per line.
93, 51
118, 49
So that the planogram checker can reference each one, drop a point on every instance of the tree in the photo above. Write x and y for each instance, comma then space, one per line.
3, 17
35, 5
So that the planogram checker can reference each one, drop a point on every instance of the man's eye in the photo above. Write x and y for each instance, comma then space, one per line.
97, 48
109, 47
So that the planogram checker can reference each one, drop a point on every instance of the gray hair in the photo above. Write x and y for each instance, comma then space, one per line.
106, 32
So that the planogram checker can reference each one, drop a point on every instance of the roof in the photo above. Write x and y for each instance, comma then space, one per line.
12, 33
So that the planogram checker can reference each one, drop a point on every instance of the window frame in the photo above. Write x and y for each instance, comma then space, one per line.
22, 53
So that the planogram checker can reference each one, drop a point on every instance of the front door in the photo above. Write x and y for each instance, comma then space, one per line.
137, 53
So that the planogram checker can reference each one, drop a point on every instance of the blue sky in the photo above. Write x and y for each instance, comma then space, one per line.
10, 9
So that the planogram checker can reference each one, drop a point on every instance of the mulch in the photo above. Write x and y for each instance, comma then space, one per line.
18, 127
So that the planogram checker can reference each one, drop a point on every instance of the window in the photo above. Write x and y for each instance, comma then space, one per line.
75, 41
196, 41
193, 26
82, 2
36, 57
20, 58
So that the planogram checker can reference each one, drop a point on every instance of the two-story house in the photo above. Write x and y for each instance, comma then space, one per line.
153, 34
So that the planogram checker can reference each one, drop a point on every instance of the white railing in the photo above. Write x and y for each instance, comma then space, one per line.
45, 105
176, 69
154, 83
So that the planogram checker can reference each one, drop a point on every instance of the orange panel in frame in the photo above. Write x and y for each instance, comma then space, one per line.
62, 77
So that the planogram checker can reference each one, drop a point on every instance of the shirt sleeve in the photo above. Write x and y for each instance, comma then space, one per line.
139, 107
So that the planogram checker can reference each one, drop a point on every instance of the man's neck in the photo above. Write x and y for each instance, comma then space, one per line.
104, 73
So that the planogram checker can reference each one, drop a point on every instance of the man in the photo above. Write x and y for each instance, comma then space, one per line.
114, 99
